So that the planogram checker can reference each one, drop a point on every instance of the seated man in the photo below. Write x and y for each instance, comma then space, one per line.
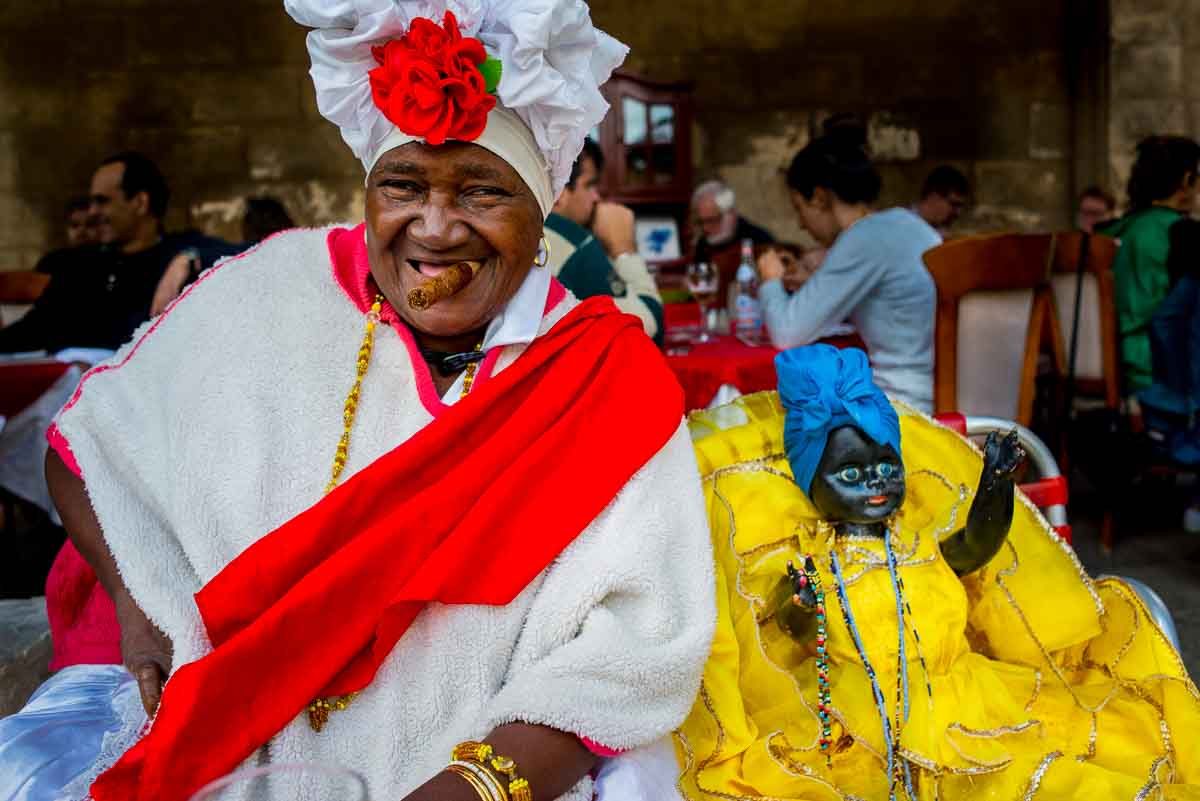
720, 230
100, 295
592, 246
943, 198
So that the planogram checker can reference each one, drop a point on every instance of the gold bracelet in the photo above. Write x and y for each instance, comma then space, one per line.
470, 778
471, 751
483, 755
495, 787
518, 788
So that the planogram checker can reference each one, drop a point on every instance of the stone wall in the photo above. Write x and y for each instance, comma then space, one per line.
1155, 52
217, 93
984, 86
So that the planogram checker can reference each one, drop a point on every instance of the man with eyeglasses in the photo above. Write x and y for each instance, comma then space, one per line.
944, 197
719, 229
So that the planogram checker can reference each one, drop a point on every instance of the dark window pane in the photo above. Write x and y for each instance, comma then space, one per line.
637, 168
664, 163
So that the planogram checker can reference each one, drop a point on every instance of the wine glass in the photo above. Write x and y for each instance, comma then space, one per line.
702, 281
285, 782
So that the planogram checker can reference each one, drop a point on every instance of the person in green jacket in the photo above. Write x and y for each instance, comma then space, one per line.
593, 248
1162, 187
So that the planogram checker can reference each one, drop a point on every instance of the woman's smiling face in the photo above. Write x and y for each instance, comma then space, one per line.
431, 207
858, 480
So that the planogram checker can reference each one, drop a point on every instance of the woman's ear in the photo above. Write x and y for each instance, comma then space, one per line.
822, 198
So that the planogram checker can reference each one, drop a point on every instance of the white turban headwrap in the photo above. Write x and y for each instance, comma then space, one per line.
553, 64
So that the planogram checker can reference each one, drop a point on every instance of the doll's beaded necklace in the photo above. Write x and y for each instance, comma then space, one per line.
320, 709
898, 768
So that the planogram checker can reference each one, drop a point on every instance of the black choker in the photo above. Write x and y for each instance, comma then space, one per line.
448, 364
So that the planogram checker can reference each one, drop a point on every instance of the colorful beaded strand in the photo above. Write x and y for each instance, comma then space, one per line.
848, 616
810, 577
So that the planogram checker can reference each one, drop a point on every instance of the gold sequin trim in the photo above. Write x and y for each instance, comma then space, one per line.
1037, 690
963, 442
939, 770
706, 699
1154, 783
762, 465
999, 731
1054, 668
1090, 754
691, 768
1035, 781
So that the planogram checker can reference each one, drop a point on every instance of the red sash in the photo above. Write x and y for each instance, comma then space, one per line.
468, 511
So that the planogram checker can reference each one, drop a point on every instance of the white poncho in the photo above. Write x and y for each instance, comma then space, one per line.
218, 424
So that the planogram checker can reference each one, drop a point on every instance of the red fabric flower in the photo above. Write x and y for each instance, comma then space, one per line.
428, 82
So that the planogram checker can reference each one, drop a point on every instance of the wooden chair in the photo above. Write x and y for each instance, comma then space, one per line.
1097, 365
995, 315
19, 289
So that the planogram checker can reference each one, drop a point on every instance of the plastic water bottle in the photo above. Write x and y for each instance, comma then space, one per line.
747, 314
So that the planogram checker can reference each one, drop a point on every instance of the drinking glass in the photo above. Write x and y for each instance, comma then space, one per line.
286, 782
702, 282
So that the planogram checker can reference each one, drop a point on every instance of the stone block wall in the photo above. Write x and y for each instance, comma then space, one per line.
1155, 55
983, 86
217, 92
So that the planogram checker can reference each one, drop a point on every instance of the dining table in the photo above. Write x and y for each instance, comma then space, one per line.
737, 364
22, 381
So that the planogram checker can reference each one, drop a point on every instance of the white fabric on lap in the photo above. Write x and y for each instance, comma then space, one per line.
81, 720
643, 774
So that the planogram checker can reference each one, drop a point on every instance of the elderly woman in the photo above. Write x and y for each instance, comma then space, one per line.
352, 531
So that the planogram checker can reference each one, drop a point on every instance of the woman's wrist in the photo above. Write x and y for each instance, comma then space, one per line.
445, 786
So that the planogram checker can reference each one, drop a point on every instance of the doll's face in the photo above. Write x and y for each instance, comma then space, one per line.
858, 480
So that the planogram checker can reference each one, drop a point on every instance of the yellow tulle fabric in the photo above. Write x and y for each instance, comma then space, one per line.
1045, 684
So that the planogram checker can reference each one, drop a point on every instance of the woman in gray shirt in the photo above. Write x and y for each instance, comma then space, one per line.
873, 274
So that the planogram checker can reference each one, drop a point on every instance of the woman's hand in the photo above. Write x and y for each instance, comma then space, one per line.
145, 650
770, 265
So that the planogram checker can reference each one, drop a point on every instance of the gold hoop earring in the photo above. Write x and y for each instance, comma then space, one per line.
543, 254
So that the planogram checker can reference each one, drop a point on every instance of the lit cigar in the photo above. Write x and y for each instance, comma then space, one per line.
449, 282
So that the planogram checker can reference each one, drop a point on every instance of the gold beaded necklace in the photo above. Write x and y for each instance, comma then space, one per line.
320, 709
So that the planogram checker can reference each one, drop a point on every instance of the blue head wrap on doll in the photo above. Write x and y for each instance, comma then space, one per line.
823, 388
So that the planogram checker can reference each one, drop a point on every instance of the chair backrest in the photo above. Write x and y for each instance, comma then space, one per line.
1097, 367
994, 312
18, 290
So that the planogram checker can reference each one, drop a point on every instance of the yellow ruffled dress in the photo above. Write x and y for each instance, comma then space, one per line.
1038, 683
